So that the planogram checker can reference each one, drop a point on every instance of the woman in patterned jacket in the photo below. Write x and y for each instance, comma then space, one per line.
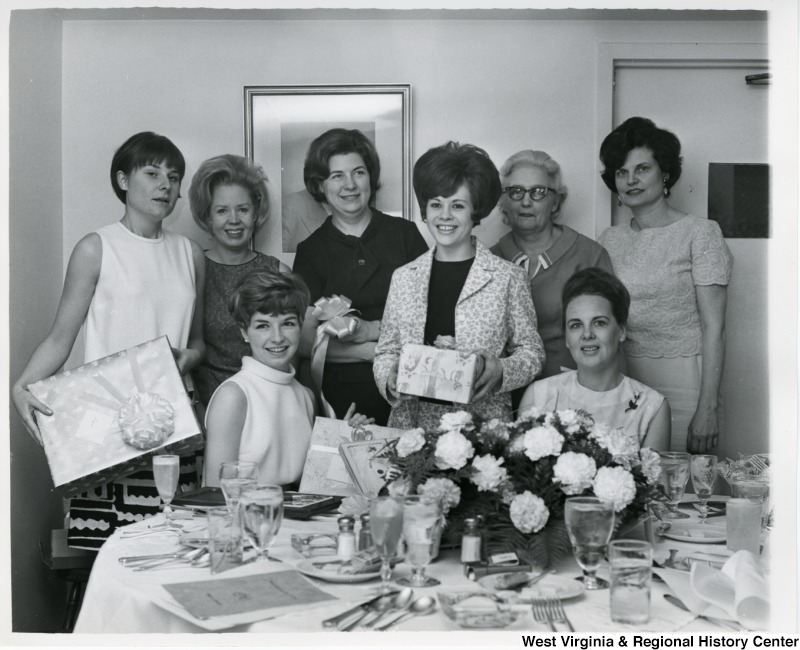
459, 290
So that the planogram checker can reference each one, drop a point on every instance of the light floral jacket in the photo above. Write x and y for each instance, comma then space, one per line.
494, 313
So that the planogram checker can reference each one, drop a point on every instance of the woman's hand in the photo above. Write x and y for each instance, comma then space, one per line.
365, 331
391, 386
489, 374
356, 420
27, 405
703, 431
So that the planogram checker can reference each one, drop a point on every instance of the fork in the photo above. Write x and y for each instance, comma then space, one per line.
557, 613
542, 614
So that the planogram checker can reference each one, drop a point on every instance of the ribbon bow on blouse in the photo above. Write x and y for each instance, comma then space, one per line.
334, 319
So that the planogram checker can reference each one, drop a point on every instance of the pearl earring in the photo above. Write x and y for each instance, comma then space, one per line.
666, 191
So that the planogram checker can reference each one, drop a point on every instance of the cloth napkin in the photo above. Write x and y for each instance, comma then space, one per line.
739, 591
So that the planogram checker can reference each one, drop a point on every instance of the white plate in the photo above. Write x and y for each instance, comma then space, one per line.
696, 533
307, 567
556, 586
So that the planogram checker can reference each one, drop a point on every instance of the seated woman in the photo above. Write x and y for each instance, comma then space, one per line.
460, 290
596, 307
262, 413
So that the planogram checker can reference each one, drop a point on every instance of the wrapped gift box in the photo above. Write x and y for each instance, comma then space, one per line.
324, 471
447, 375
83, 439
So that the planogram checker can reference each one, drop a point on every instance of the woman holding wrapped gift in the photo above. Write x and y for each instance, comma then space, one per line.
459, 289
549, 252
353, 254
127, 283
229, 198
677, 268
595, 317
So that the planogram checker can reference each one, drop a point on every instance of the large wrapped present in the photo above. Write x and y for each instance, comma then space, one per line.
111, 415
437, 373
324, 471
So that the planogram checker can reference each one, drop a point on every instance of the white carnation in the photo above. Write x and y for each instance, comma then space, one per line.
411, 441
622, 445
542, 441
443, 489
531, 413
455, 421
497, 428
651, 465
453, 451
615, 484
489, 472
528, 512
570, 420
574, 471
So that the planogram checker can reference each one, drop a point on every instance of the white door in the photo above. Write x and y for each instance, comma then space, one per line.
718, 118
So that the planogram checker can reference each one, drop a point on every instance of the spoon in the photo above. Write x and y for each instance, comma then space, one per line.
419, 607
401, 602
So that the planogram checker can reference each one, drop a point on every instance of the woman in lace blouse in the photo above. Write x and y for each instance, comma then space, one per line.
676, 267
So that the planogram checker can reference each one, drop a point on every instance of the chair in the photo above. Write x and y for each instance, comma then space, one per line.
70, 564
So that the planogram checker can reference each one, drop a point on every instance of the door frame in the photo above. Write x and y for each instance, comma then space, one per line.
610, 56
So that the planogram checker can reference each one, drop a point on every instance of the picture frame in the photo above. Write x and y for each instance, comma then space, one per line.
368, 464
281, 121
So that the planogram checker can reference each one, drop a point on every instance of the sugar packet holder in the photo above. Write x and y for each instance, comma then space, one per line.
507, 562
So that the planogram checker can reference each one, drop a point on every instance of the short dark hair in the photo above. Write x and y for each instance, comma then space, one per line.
228, 169
145, 148
594, 281
638, 132
442, 170
273, 293
339, 142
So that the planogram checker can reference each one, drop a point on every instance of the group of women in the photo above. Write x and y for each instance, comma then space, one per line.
545, 310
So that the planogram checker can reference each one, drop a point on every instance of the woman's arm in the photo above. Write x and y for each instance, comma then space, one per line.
704, 426
80, 282
360, 346
387, 351
195, 351
224, 423
660, 429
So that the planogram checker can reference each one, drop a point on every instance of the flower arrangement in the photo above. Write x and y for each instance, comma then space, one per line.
517, 474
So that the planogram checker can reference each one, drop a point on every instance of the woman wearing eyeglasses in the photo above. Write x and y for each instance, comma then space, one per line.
549, 252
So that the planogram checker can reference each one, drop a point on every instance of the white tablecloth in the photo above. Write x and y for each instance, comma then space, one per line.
119, 600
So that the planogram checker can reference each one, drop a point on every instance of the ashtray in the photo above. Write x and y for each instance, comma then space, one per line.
479, 609
315, 545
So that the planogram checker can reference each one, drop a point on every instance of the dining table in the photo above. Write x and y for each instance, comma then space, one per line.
121, 600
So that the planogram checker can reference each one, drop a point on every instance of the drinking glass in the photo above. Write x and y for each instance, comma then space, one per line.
590, 522
631, 568
386, 526
754, 488
261, 514
233, 476
421, 521
674, 476
166, 470
704, 476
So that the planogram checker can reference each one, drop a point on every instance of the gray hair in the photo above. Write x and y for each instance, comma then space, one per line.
537, 160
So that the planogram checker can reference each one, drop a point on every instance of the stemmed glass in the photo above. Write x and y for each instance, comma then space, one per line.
166, 470
233, 477
386, 526
261, 514
590, 523
674, 476
422, 517
704, 476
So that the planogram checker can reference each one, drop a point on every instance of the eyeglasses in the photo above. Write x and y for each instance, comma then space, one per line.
537, 192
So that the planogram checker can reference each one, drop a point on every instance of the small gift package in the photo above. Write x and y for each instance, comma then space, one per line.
110, 414
437, 373
324, 471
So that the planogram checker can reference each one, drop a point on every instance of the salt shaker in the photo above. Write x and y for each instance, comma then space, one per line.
346, 546
471, 541
365, 534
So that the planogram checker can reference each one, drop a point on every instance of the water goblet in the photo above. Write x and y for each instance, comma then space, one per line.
386, 526
166, 470
422, 518
704, 475
261, 514
233, 477
590, 523
674, 476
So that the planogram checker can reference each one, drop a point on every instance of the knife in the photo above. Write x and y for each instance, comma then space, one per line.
333, 622
731, 625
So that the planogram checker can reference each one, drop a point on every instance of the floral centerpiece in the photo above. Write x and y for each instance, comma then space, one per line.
517, 475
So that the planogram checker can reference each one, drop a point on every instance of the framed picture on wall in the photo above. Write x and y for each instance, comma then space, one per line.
280, 122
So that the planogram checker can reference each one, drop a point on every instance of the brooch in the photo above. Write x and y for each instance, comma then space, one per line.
634, 403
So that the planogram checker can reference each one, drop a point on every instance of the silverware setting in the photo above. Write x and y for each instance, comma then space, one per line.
419, 607
551, 611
